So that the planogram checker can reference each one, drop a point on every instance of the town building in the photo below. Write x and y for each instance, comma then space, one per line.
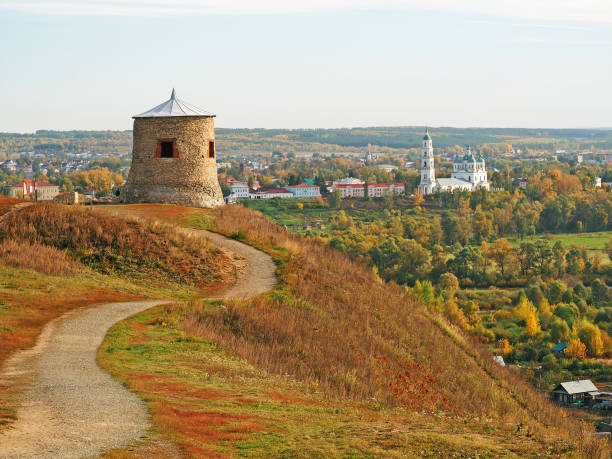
375, 190
304, 191
469, 172
173, 156
39, 191
521, 182
274, 193
349, 190
559, 349
348, 181
387, 167
239, 190
9, 165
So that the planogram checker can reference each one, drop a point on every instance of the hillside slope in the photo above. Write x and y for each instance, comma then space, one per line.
364, 351
56, 258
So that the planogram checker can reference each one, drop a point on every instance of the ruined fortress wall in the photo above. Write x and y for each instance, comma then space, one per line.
190, 179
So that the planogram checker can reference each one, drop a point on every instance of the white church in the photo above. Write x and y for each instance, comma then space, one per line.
468, 174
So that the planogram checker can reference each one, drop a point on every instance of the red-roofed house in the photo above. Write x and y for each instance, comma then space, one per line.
41, 191
349, 190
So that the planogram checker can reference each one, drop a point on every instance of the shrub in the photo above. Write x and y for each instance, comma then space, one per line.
109, 244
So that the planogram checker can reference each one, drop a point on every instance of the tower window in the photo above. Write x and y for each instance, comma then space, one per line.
211, 148
166, 148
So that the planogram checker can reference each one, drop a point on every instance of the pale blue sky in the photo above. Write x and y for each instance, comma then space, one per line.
93, 64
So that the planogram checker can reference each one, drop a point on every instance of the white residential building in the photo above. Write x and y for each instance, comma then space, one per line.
387, 167
239, 190
377, 190
272, 194
304, 191
349, 190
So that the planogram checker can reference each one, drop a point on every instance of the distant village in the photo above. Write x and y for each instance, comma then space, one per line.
44, 174
348, 187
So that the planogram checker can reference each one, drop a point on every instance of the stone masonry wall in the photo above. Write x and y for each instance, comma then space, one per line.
190, 179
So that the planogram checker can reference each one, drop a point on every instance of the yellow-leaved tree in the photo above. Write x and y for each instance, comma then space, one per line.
455, 315
527, 311
505, 347
531, 325
590, 335
576, 348
418, 198
545, 313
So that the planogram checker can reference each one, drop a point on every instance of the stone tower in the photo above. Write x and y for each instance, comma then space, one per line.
173, 157
428, 172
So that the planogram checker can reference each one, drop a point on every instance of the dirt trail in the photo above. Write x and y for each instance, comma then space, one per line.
74, 409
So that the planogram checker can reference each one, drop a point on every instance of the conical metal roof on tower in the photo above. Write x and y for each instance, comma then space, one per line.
174, 107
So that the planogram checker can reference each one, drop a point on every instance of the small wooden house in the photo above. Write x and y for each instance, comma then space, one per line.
559, 348
574, 391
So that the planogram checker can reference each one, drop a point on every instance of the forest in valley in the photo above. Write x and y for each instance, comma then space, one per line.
521, 270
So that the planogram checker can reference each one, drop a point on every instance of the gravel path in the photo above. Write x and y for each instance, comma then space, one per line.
74, 409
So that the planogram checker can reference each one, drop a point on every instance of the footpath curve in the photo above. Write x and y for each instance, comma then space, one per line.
73, 408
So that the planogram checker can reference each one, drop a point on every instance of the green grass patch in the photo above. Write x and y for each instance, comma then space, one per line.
593, 242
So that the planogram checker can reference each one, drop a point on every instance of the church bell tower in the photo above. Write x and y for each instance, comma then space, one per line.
428, 173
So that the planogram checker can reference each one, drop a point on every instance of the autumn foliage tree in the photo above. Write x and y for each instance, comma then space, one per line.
526, 311
502, 253
100, 179
590, 335
505, 347
576, 349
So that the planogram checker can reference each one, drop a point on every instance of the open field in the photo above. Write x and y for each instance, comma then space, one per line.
288, 213
594, 243
591, 241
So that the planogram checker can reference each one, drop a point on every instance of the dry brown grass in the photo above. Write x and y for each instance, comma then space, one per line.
112, 245
334, 324
6, 204
41, 258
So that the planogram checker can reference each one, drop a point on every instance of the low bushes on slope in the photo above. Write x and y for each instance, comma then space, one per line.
112, 245
7, 203
333, 323
42, 258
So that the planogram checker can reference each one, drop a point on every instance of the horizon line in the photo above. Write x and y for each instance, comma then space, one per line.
415, 126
